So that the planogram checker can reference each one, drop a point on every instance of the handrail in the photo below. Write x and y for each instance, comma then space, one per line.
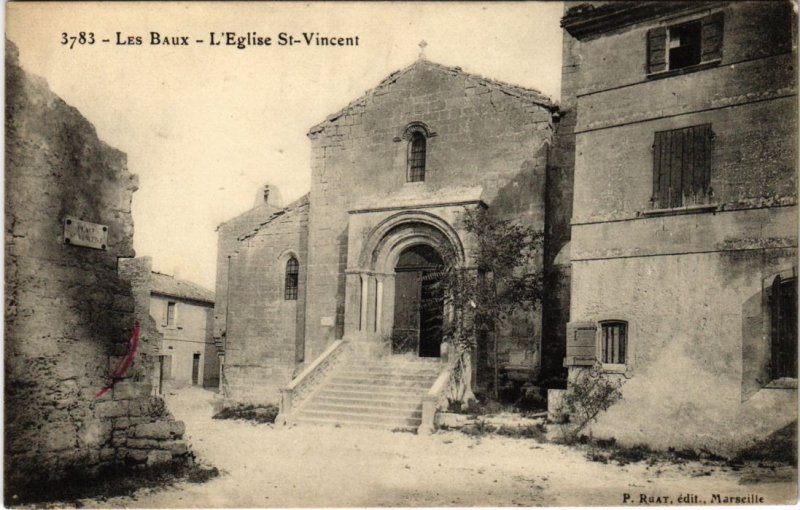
302, 385
432, 400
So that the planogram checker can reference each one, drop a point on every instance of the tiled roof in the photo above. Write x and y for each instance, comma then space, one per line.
167, 285
527, 94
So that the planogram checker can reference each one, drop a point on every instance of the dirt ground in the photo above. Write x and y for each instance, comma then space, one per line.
267, 466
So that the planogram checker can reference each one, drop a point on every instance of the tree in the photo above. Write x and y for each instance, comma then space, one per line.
505, 280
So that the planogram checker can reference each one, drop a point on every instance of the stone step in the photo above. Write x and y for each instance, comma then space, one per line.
401, 410
363, 391
357, 424
341, 417
388, 372
405, 365
410, 402
385, 377
399, 382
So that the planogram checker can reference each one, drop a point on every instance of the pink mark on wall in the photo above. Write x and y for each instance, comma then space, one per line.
124, 364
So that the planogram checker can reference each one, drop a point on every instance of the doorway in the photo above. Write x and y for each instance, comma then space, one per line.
195, 368
419, 304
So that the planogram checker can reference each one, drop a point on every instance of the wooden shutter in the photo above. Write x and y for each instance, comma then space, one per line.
179, 315
581, 343
682, 166
661, 169
165, 313
712, 37
656, 50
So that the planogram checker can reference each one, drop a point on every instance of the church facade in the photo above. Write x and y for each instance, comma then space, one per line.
665, 184
392, 174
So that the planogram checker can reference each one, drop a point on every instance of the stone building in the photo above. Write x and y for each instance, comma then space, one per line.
392, 173
684, 222
181, 313
69, 318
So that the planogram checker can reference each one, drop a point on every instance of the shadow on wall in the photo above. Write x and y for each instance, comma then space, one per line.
341, 282
523, 196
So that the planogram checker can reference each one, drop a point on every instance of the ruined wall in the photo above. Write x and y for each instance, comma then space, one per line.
265, 331
69, 317
485, 137
137, 271
688, 281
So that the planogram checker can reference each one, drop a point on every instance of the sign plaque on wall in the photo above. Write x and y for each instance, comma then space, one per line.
83, 233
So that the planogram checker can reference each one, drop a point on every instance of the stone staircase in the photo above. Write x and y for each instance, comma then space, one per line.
378, 393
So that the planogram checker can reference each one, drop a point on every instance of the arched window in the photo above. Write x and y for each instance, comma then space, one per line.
416, 157
613, 342
292, 273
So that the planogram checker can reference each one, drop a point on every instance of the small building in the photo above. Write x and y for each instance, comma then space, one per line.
184, 312
684, 223
178, 314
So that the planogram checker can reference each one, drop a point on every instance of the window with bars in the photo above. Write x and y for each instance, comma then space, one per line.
783, 305
614, 342
682, 166
416, 157
292, 277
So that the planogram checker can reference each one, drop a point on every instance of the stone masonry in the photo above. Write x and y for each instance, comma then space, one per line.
692, 283
69, 317
487, 146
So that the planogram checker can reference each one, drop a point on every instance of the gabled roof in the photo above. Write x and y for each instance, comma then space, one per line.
167, 285
531, 95
297, 204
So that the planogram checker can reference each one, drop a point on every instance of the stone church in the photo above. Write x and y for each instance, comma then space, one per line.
392, 174
666, 187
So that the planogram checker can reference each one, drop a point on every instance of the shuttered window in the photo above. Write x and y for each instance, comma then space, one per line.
783, 305
682, 166
292, 277
685, 45
170, 313
614, 342
416, 158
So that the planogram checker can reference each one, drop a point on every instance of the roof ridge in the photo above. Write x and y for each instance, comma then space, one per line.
296, 204
526, 93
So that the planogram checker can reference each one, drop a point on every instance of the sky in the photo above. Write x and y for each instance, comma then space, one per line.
204, 127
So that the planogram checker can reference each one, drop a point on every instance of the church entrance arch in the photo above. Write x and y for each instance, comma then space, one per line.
402, 308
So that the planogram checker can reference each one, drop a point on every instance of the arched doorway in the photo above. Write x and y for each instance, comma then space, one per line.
418, 302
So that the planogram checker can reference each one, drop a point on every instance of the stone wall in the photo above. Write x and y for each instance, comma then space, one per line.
689, 282
485, 135
69, 317
227, 244
265, 331
137, 271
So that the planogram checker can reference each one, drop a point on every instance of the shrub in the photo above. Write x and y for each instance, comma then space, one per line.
258, 414
591, 393
537, 432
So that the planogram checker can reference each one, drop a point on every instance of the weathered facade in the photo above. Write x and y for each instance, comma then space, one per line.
69, 317
684, 223
181, 314
391, 175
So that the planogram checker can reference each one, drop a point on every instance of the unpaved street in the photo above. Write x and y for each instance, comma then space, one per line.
265, 466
